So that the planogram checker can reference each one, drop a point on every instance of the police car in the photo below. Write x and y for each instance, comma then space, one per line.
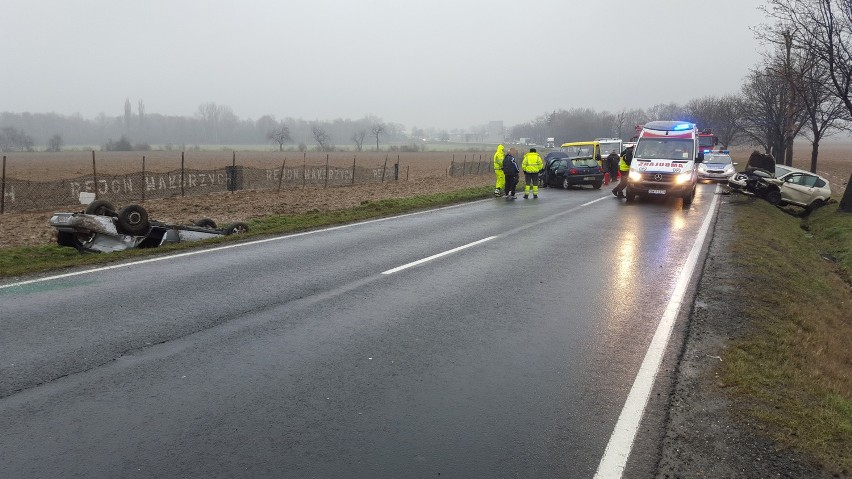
717, 166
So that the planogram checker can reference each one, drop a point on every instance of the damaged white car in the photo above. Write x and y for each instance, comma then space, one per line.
100, 228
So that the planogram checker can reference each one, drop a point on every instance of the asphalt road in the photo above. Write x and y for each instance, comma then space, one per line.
312, 356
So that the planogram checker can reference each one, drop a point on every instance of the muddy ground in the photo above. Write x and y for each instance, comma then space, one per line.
31, 229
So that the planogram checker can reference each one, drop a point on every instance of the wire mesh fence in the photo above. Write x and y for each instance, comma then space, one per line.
24, 195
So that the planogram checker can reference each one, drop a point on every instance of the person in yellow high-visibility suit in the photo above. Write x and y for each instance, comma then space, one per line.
531, 165
498, 171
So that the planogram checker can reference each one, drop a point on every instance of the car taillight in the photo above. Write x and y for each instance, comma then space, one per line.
573, 171
600, 170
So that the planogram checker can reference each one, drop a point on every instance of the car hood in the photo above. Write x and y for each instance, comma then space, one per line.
761, 161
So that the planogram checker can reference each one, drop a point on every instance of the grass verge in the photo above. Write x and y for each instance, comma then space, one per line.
36, 259
791, 371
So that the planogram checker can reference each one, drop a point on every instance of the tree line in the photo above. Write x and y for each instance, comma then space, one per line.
801, 88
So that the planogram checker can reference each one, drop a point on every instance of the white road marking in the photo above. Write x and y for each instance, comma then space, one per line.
620, 443
221, 248
435, 256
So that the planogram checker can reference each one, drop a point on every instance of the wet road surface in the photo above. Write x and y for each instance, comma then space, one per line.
341, 353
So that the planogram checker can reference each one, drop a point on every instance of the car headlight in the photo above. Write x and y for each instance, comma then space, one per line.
635, 175
684, 177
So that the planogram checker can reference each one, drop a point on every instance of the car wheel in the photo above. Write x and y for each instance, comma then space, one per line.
133, 220
773, 197
206, 223
687, 200
100, 207
236, 228
565, 183
597, 185
817, 203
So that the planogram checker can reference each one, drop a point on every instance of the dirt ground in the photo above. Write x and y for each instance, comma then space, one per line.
30, 229
425, 172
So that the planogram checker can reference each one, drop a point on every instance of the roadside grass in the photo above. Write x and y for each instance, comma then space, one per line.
791, 371
35, 259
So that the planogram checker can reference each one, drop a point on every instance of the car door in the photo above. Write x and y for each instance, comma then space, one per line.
798, 188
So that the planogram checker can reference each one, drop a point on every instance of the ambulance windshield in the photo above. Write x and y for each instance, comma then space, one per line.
664, 149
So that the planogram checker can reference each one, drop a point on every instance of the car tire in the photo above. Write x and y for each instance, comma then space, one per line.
687, 199
206, 223
565, 184
100, 207
773, 197
236, 228
133, 220
597, 185
628, 196
815, 204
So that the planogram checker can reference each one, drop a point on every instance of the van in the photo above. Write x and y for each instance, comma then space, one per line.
665, 161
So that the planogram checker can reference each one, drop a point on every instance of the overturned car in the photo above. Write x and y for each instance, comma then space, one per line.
100, 228
781, 185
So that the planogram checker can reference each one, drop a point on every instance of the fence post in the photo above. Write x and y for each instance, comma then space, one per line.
233, 171
396, 169
385, 167
464, 164
95, 174
304, 168
3, 187
326, 171
479, 164
144, 183
452, 165
182, 192
281, 176
353, 168
407, 167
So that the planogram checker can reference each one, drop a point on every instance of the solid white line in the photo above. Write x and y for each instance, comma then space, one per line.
434, 256
620, 443
221, 248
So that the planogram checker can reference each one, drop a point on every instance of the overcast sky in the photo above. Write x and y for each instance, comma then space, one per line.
442, 63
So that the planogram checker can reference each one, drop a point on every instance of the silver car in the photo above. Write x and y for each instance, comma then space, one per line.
717, 166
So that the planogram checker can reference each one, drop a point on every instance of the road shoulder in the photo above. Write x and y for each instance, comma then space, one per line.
704, 437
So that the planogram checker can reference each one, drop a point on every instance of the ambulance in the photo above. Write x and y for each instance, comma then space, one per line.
665, 161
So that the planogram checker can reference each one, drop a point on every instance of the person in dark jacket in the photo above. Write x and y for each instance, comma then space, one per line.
510, 170
612, 165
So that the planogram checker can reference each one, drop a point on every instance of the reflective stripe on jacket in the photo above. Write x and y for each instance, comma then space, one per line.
532, 162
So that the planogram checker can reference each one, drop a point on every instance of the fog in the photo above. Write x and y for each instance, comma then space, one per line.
442, 63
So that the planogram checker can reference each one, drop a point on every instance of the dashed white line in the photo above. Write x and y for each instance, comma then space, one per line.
435, 256
620, 443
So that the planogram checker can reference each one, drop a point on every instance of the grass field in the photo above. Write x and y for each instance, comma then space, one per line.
792, 371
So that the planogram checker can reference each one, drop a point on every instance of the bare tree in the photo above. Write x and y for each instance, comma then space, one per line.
128, 114
824, 29
140, 107
719, 114
322, 138
280, 135
358, 138
54, 143
378, 129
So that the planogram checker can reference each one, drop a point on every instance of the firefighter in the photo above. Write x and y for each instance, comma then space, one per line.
531, 165
498, 171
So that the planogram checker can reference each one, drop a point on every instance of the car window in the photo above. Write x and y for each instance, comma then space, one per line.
819, 183
780, 171
584, 162
801, 179
718, 159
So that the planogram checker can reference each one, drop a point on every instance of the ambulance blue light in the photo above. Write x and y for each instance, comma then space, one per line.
706, 151
682, 126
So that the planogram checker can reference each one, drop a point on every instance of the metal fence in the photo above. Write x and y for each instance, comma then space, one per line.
18, 195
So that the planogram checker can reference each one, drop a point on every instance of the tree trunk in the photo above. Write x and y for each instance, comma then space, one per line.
788, 153
814, 154
846, 201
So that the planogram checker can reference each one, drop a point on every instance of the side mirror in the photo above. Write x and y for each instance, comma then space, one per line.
700, 158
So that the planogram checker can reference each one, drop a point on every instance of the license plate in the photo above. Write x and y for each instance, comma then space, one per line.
589, 178
657, 192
